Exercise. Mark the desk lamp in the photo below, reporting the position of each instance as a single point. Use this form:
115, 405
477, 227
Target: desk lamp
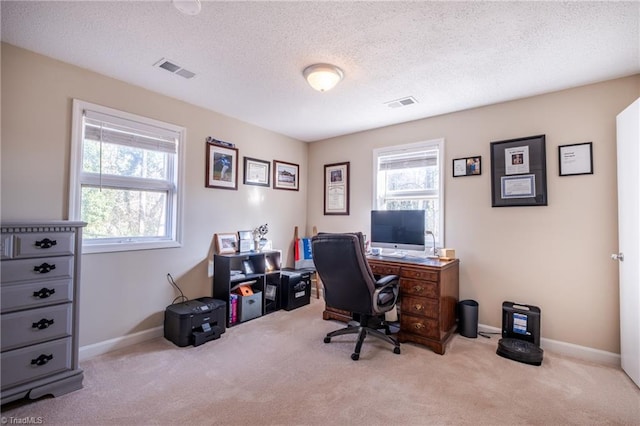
435, 251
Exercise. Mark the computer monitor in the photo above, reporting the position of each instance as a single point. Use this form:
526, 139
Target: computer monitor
398, 229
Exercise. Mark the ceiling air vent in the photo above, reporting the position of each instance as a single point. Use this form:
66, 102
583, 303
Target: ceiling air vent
409, 100
173, 68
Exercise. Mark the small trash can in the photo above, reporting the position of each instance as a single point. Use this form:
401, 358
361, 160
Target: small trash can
468, 318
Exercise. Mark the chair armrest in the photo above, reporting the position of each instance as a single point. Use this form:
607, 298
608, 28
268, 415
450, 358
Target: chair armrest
386, 281
387, 285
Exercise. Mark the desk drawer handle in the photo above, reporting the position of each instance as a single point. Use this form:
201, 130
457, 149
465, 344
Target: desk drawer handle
418, 307
418, 288
44, 292
44, 268
42, 359
42, 324
418, 326
46, 243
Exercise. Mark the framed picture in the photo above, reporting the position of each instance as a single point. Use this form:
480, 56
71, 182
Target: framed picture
285, 175
468, 166
257, 172
222, 167
336, 189
247, 266
519, 172
226, 243
576, 159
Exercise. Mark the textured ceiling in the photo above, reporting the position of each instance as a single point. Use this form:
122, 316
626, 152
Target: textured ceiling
249, 56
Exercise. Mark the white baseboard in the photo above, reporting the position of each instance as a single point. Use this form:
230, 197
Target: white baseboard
86, 352
569, 349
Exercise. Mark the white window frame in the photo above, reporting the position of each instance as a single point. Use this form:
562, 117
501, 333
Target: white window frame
76, 179
413, 147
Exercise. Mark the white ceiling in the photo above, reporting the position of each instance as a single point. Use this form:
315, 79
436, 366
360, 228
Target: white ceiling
249, 56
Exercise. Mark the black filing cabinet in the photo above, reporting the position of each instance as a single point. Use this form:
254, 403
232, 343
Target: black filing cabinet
295, 289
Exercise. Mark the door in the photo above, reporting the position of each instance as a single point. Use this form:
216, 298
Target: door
628, 256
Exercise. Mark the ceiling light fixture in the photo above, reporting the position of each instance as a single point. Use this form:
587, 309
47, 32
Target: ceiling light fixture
188, 7
323, 77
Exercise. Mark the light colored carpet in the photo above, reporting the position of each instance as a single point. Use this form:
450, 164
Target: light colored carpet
276, 370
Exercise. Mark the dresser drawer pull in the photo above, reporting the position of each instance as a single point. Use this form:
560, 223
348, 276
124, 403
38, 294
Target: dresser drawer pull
418, 288
46, 243
418, 326
44, 268
42, 359
42, 324
44, 292
418, 307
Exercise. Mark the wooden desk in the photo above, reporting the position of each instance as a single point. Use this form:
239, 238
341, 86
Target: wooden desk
427, 301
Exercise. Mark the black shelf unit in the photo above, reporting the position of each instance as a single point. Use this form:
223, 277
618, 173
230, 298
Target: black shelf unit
260, 270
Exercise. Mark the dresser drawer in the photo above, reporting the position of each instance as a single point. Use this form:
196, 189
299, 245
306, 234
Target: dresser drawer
35, 326
37, 269
420, 274
35, 362
385, 269
419, 288
43, 244
35, 294
420, 306
421, 326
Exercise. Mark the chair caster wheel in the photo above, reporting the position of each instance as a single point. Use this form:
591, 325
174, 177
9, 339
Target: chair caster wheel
396, 351
327, 339
355, 357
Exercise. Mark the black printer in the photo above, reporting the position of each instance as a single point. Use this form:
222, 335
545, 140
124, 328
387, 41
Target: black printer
195, 322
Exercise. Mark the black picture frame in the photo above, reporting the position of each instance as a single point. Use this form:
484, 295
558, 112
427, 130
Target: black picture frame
257, 172
467, 166
575, 159
519, 172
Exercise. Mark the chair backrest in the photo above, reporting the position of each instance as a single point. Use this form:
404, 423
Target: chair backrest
341, 263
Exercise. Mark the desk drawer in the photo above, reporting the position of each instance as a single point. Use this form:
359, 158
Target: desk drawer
420, 274
35, 362
35, 294
419, 288
37, 269
35, 326
421, 326
420, 306
385, 269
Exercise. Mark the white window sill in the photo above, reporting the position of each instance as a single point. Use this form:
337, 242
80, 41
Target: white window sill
91, 248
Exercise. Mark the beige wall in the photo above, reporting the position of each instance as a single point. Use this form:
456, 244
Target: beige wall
127, 292
555, 257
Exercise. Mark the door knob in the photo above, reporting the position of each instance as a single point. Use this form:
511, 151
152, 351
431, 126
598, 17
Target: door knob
619, 256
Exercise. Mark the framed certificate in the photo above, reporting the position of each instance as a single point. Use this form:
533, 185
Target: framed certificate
519, 172
336, 189
576, 159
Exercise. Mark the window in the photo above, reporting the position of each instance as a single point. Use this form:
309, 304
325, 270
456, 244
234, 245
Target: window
124, 179
411, 177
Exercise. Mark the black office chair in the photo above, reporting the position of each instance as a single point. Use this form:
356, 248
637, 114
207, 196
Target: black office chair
349, 285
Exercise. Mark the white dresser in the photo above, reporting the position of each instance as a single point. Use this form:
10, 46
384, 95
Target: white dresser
40, 282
